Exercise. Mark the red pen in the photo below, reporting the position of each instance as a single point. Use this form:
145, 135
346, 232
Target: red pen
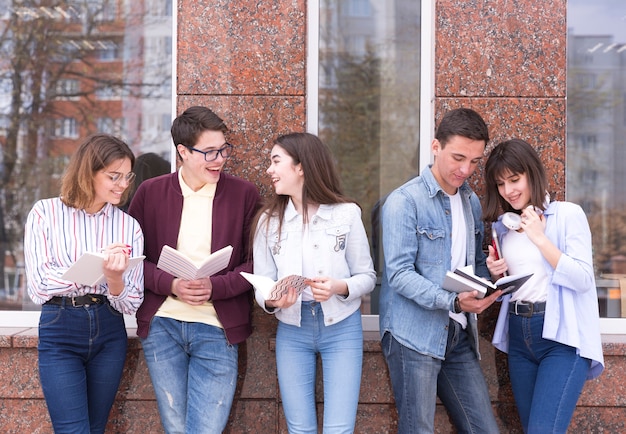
496, 246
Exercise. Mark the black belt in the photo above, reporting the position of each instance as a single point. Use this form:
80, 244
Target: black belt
527, 309
81, 300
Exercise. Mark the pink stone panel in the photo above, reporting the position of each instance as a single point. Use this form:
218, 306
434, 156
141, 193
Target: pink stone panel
541, 122
257, 416
502, 48
257, 359
245, 48
19, 374
254, 124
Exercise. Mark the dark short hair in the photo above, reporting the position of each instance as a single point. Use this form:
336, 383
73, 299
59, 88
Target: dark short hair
518, 157
462, 122
187, 128
94, 154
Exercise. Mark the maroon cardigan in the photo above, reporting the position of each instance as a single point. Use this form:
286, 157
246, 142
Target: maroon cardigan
157, 205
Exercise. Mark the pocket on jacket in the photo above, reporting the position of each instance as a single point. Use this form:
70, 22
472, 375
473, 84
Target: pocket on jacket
431, 243
340, 237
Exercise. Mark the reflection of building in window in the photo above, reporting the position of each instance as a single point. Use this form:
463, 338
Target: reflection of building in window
369, 93
66, 128
110, 126
596, 142
108, 93
68, 89
108, 51
81, 67
596, 152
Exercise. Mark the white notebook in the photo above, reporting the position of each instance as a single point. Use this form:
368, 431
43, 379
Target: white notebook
88, 269
180, 265
271, 290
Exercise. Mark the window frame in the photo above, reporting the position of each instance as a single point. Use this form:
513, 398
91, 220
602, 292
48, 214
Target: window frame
608, 326
30, 318
427, 92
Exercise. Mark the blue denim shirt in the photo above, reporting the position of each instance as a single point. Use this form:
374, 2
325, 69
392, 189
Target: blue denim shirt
417, 244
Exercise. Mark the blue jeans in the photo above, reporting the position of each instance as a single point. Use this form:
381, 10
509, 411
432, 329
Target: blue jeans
418, 379
341, 349
81, 358
547, 377
193, 369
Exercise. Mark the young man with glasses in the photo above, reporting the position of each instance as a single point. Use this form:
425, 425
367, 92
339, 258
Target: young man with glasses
432, 224
190, 329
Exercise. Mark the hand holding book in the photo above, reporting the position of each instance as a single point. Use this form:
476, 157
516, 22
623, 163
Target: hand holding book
271, 290
179, 265
88, 270
464, 279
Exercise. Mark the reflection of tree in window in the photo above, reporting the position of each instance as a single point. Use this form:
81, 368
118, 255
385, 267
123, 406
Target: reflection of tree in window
67, 62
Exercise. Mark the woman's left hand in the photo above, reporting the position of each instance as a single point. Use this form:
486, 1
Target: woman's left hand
325, 287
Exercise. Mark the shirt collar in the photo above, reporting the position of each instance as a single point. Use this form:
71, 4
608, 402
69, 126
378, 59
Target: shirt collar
324, 211
207, 190
433, 187
106, 210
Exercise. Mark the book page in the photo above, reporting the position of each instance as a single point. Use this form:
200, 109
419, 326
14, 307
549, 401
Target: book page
509, 284
181, 266
454, 282
271, 290
88, 269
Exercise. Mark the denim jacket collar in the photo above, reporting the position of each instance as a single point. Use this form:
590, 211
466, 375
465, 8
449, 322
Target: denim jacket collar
433, 187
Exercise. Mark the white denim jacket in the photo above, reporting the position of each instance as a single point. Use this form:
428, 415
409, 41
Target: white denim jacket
337, 232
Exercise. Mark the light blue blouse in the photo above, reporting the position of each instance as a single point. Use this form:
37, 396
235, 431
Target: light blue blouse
571, 316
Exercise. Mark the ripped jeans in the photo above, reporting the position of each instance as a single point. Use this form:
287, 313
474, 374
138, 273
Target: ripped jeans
193, 369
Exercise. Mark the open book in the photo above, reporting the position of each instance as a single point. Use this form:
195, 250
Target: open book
181, 266
271, 290
463, 279
88, 269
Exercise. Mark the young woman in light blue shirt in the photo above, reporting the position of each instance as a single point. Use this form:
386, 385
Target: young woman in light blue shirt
550, 325
309, 228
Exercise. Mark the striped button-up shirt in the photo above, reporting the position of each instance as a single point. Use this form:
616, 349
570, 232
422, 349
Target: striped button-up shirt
56, 235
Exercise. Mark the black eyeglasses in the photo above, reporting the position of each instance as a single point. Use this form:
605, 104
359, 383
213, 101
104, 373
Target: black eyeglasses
211, 155
117, 177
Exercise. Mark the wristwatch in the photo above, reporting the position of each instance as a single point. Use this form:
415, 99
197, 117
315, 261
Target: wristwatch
457, 305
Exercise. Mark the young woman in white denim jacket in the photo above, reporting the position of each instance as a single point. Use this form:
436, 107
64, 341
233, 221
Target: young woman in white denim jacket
309, 228
550, 326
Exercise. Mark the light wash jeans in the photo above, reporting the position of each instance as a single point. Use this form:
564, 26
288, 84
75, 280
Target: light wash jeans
193, 369
81, 357
417, 380
547, 377
341, 349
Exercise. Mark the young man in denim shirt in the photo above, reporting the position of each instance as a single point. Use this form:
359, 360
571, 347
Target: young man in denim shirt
432, 224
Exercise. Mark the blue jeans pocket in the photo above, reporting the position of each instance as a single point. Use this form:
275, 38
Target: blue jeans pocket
49, 315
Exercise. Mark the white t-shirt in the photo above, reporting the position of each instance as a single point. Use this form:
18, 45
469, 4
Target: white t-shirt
522, 256
459, 244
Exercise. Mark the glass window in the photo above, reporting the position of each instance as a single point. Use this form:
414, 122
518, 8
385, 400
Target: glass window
596, 141
367, 108
69, 88
110, 126
107, 50
65, 128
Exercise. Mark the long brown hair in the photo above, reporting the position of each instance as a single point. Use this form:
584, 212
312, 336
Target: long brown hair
94, 154
518, 157
322, 184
